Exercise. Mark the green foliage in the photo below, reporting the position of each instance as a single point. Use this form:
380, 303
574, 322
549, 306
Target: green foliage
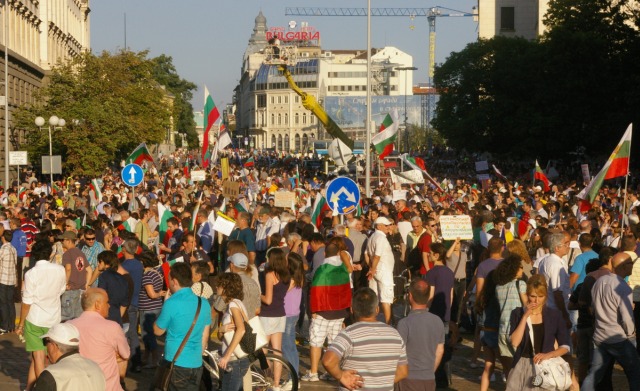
110, 102
544, 98
165, 73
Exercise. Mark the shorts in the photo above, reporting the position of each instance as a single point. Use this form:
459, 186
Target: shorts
321, 328
273, 325
416, 385
504, 343
32, 336
490, 339
384, 291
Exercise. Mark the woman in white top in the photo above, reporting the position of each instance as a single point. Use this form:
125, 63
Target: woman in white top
229, 287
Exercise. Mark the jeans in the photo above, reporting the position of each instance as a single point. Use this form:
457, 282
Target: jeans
7, 308
132, 337
604, 353
636, 318
289, 349
232, 377
185, 379
147, 318
71, 306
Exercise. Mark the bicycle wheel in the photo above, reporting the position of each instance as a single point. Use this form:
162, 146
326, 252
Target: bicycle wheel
262, 371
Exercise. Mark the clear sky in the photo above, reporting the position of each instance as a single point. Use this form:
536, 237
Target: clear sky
207, 38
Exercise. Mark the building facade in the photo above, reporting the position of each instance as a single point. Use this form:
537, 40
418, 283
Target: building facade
269, 114
511, 18
36, 35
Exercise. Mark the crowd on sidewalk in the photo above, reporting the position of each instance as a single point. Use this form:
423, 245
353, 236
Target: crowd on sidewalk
103, 270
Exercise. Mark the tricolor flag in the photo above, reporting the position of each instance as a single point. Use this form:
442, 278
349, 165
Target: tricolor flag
139, 155
164, 214
211, 115
194, 214
330, 288
96, 189
383, 141
538, 174
616, 166
418, 164
249, 162
224, 139
319, 207
499, 174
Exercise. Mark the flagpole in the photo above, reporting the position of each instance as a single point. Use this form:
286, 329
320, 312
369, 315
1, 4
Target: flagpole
626, 181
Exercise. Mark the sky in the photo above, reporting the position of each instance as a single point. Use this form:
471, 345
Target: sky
207, 38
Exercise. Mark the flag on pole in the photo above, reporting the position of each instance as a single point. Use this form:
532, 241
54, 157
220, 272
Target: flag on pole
319, 207
538, 174
211, 115
194, 214
164, 214
249, 162
224, 139
96, 190
383, 141
418, 164
616, 166
139, 155
499, 174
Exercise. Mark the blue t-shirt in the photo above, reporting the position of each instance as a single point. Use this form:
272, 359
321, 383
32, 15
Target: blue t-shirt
135, 269
176, 317
580, 264
245, 235
19, 242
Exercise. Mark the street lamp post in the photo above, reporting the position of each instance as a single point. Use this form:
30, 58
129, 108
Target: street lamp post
406, 118
54, 122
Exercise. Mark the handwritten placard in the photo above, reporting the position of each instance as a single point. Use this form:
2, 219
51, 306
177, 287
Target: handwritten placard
453, 227
284, 199
230, 189
224, 224
399, 195
198, 175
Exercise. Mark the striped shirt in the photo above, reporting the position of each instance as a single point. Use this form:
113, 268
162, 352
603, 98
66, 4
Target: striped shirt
374, 349
145, 303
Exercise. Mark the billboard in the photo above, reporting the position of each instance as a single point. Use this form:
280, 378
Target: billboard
349, 112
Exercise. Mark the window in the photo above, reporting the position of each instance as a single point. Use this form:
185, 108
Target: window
313, 119
297, 142
273, 141
279, 119
297, 99
279, 99
280, 141
286, 119
273, 119
507, 19
286, 142
304, 118
297, 118
273, 99
262, 101
286, 99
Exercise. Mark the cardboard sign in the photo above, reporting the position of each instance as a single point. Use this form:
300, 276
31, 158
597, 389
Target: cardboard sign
284, 199
453, 227
399, 195
198, 175
230, 189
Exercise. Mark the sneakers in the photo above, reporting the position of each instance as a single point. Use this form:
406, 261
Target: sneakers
326, 377
310, 377
287, 386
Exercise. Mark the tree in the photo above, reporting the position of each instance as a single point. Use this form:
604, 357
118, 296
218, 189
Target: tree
110, 102
165, 73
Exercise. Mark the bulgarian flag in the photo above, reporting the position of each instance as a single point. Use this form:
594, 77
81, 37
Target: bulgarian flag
319, 207
249, 162
211, 115
330, 288
383, 141
616, 166
129, 224
538, 174
96, 189
418, 164
195, 213
139, 155
164, 214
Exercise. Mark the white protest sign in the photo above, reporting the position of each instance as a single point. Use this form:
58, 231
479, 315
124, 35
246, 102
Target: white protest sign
224, 224
453, 227
199, 175
399, 195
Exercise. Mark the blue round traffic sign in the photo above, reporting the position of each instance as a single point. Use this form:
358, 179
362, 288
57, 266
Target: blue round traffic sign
132, 175
343, 195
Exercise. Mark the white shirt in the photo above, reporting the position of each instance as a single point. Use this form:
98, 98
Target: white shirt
553, 270
379, 245
43, 285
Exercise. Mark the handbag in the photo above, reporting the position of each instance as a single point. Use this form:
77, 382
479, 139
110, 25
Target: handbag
550, 374
254, 337
163, 375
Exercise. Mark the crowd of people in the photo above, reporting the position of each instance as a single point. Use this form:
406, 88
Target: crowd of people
103, 270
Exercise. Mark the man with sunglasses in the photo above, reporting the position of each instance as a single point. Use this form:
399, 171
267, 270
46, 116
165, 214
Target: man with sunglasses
91, 248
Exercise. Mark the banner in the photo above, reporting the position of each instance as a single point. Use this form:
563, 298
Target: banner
199, 175
284, 199
407, 177
224, 167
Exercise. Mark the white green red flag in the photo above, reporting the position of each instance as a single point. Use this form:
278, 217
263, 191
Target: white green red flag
417, 163
164, 214
249, 162
330, 288
194, 214
140, 155
383, 141
211, 115
539, 175
96, 190
616, 166
319, 207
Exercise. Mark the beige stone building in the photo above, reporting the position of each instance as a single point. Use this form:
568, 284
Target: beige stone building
35, 35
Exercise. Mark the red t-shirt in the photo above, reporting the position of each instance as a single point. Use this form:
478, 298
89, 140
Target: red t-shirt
424, 245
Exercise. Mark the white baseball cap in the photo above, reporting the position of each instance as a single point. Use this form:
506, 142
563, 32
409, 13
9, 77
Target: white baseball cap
64, 333
383, 220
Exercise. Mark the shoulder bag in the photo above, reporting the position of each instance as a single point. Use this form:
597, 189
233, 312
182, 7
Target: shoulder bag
550, 374
254, 337
163, 375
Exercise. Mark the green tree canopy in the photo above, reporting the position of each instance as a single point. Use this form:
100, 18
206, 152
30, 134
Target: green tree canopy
570, 88
111, 103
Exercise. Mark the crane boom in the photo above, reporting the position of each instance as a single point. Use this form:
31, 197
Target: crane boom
320, 11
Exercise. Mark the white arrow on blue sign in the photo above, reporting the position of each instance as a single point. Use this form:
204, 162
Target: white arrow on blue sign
343, 195
132, 175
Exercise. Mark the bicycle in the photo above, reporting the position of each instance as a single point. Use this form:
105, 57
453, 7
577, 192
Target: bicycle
401, 306
261, 371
